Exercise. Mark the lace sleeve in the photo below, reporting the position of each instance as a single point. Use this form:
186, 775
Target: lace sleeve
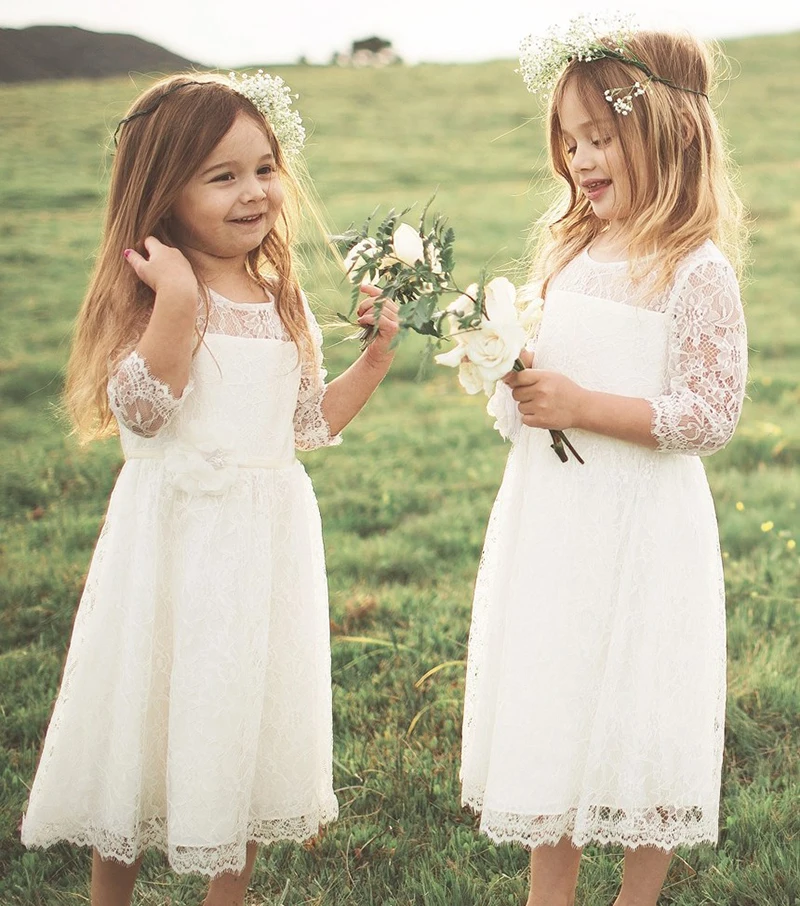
139, 400
707, 363
311, 430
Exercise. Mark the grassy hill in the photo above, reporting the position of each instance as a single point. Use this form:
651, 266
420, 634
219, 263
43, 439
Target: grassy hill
67, 52
405, 499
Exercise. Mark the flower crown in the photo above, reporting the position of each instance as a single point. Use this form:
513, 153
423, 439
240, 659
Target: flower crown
587, 38
270, 95
273, 99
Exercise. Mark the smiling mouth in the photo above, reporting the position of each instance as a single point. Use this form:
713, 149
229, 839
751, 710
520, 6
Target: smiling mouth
595, 184
253, 218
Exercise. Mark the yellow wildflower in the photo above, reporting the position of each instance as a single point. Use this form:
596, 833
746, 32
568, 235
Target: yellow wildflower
791, 544
739, 505
767, 526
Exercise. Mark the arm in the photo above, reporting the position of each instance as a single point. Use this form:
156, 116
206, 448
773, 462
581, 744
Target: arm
167, 342
324, 410
707, 370
147, 387
347, 394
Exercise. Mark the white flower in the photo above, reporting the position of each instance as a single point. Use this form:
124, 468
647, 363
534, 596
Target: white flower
494, 347
543, 58
200, 466
407, 245
500, 303
453, 357
461, 308
273, 99
361, 253
434, 259
530, 316
471, 379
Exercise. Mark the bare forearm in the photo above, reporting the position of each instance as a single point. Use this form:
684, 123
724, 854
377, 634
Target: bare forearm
624, 417
346, 396
167, 343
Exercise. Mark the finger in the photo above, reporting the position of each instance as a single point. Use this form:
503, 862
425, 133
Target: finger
152, 244
370, 290
526, 357
135, 260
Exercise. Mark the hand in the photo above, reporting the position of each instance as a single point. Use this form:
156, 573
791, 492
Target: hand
547, 399
165, 268
388, 322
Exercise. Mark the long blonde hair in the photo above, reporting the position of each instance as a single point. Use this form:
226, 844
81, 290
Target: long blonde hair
681, 178
158, 154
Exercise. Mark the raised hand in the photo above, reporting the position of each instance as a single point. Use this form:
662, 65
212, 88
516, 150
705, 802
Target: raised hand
164, 269
388, 322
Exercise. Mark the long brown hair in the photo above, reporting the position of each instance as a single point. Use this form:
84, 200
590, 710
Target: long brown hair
158, 154
681, 178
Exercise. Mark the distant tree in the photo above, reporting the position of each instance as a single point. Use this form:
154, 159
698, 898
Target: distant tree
373, 45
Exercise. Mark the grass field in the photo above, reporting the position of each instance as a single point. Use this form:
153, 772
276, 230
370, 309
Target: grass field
405, 499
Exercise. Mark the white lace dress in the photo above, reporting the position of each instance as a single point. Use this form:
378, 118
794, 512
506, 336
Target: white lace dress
595, 690
195, 708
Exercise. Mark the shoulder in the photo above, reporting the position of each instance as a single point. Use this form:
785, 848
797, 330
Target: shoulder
705, 264
706, 281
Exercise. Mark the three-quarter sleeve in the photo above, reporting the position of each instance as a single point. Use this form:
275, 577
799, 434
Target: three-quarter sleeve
707, 363
140, 401
311, 429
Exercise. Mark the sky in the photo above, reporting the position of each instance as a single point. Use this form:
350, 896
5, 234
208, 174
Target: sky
223, 34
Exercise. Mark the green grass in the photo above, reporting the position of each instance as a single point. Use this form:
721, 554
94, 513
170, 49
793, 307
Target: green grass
405, 499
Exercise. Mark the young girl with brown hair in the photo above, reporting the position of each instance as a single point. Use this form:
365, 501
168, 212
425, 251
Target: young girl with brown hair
194, 714
595, 696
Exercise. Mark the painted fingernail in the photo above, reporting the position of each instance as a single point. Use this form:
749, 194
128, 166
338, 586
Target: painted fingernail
127, 253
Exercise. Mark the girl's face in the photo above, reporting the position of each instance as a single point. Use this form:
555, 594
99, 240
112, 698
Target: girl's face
233, 200
598, 168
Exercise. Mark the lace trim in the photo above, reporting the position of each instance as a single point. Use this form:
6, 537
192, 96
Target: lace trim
142, 402
209, 861
664, 827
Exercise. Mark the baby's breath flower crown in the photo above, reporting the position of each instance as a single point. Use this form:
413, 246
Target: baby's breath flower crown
586, 38
270, 95
273, 98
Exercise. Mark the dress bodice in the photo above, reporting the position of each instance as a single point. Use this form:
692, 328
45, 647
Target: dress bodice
248, 390
684, 350
242, 399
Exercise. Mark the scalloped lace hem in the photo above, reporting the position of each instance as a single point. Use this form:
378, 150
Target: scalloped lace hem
662, 827
210, 861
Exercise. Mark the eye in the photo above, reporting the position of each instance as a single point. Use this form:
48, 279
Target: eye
601, 142
570, 149
222, 177
267, 169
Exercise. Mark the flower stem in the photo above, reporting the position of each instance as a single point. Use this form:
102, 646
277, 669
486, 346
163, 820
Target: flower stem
558, 437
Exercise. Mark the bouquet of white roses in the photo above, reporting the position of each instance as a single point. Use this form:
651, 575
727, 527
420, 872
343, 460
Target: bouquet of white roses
490, 325
487, 323
412, 265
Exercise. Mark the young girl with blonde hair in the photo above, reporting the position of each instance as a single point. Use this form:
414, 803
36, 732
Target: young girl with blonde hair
194, 714
595, 694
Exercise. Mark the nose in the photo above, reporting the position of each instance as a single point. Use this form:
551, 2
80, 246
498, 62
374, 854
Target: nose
582, 158
253, 189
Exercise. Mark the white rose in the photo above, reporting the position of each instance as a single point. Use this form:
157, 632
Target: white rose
407, 245
531, 315
359, 255
494, 347
461, 308
471, 379
453, 357
501, 298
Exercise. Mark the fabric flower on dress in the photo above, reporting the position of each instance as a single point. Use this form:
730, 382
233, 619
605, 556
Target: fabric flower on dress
198, 464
